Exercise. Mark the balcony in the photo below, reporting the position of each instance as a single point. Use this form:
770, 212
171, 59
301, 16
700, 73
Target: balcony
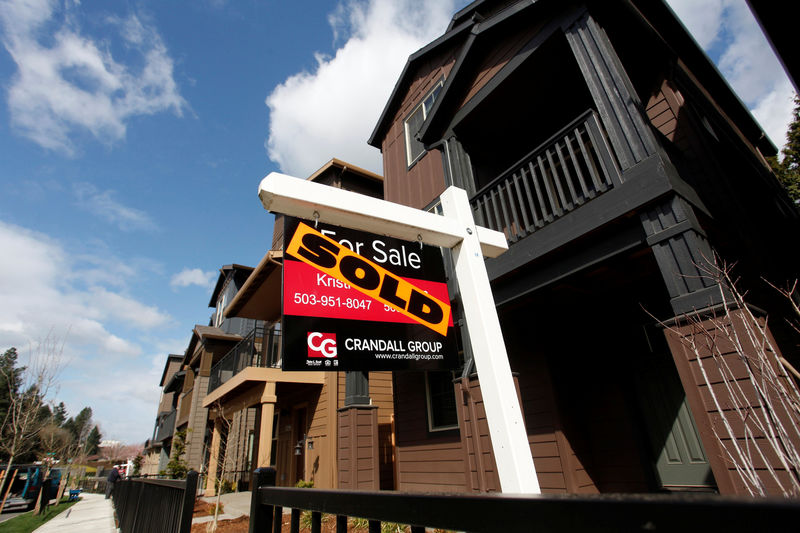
568, 170
257, 349
166, 426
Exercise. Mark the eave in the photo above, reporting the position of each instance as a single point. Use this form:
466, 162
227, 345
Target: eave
260, 295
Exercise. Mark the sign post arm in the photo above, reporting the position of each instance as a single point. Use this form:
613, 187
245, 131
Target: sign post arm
280, 193
503, 412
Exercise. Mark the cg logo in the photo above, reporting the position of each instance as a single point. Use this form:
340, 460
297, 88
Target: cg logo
322, 345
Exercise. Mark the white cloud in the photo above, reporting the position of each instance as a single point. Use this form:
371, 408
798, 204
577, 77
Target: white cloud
67, 83
331, 111
745, 59
48, 290
193, 276
703, 19
103, 205
45, 289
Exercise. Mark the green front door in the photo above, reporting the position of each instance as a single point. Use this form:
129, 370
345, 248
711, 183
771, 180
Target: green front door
680, 460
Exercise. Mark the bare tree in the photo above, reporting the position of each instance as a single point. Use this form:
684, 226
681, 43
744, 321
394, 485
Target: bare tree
23, 422
755, 400
227, 424
54, 441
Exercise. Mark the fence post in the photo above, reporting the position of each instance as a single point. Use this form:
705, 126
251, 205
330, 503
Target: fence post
189, 495
261, 515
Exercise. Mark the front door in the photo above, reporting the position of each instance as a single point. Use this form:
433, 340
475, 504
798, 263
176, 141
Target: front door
680, 460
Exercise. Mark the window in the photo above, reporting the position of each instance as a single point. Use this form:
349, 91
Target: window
442, 414
414, 148
222, 302
273, 449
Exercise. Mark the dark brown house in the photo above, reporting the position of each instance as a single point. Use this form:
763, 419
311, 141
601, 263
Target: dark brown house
623, 170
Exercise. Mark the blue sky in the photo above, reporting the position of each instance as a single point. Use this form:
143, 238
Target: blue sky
133, 136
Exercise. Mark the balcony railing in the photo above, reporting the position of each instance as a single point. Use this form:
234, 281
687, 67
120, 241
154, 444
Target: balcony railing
259, 348
571, 168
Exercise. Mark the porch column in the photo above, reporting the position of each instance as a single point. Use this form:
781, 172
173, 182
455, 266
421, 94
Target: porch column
358, 449
213, 459
356, 388
268, 399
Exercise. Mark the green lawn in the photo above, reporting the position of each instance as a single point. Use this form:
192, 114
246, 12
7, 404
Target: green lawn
25, 523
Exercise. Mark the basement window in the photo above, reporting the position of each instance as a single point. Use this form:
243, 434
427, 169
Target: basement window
414, 148
441, 398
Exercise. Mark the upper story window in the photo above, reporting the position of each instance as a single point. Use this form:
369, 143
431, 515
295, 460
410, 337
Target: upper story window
222, 302
414, 148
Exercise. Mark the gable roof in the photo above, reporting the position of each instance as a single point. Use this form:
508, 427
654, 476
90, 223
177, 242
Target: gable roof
171, 358
654, 13
223, 275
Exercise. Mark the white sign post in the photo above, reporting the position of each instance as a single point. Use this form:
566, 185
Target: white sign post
456, 230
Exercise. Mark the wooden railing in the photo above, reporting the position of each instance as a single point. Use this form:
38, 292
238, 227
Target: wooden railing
554, 513
569, 169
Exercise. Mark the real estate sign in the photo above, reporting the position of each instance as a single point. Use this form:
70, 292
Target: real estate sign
357, 301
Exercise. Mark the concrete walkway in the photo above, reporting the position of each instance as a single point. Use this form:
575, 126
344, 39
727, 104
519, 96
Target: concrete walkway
92, 514
234, 505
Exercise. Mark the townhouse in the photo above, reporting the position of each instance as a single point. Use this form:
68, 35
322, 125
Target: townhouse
624, 173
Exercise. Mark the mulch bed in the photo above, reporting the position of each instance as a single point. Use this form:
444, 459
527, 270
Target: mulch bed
204, 508
242, 524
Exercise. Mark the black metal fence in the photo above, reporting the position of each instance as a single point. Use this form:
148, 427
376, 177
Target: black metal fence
511, 513
155, 505
259, 348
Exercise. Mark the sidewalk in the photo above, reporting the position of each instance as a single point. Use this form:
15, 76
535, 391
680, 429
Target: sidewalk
92, 514
234, 505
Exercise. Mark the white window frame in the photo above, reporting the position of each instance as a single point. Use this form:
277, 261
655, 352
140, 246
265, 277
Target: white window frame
423, 107
429, 404
221, 302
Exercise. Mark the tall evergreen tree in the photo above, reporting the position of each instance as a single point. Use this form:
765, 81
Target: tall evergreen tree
9, 380
788, 170
59, 414
93, 441
79, 427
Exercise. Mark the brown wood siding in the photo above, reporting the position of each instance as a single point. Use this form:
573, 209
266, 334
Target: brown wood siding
380, 392
506, 48
426, 461
481, 468
424, 181
341, 389
716, 438
661, 115
558, 467
184, 408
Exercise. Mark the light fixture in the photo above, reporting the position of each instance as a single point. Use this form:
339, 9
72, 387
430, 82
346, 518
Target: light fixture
298, 448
